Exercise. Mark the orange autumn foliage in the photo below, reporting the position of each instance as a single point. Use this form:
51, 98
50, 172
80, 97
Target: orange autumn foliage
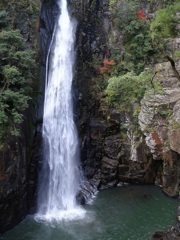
105, 68
141, 15
108, 62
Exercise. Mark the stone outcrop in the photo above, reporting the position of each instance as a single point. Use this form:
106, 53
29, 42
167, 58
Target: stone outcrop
159, 122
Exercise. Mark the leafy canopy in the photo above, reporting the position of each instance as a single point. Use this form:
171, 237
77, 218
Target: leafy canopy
126, 90
165, 23
132, 21
17, 68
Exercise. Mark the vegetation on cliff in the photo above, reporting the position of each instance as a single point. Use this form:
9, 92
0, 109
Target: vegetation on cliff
18, 22
126, 90
142, 43
165, 24
138, 48
17, 73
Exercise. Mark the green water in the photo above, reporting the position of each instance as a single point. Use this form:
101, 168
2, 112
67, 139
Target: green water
124, 213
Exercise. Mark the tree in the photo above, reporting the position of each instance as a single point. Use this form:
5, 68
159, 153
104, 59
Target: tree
17, 68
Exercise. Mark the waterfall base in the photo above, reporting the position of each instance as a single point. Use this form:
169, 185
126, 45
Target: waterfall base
85, 196
62, 215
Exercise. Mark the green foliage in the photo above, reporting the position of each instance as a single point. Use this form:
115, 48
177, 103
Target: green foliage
177, 54
11, 38
138, 43
126, 90
175, 125
22, 14
164, 113
136, 49
162, 3
126, 18
165, 23
112, 3
25, 7
140, 50
17, 67
3, 19
142, 39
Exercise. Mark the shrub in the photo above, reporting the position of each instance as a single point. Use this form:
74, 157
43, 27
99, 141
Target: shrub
165, 23
126, 90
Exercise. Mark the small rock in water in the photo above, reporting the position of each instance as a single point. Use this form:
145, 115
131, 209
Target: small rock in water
158, 236
122, 184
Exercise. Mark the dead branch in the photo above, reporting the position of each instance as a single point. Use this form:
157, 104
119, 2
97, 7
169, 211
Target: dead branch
176, 73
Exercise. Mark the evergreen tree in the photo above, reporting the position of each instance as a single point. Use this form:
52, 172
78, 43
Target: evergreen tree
17, 67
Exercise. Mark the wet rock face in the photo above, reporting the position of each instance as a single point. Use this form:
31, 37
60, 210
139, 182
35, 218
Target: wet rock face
159, 120
16, 187
12, 212
48, 16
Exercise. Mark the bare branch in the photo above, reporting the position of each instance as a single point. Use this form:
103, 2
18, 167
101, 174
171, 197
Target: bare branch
176, 73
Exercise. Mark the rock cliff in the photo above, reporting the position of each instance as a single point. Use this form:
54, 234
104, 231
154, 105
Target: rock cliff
110, 154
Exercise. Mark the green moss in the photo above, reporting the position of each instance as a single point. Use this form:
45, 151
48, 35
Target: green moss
164, 113
175, 125
177, 54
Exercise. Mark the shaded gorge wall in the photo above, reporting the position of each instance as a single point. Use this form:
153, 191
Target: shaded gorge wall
17, 171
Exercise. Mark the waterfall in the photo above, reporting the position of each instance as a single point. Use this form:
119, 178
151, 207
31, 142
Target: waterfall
60, 177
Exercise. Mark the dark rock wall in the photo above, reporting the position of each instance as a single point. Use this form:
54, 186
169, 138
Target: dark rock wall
92, 38
16, 173
109, 154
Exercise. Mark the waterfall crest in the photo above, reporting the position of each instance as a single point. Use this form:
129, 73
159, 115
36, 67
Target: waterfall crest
61, 176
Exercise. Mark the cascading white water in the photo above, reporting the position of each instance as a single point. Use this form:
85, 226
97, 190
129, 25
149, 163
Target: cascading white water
59, 188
